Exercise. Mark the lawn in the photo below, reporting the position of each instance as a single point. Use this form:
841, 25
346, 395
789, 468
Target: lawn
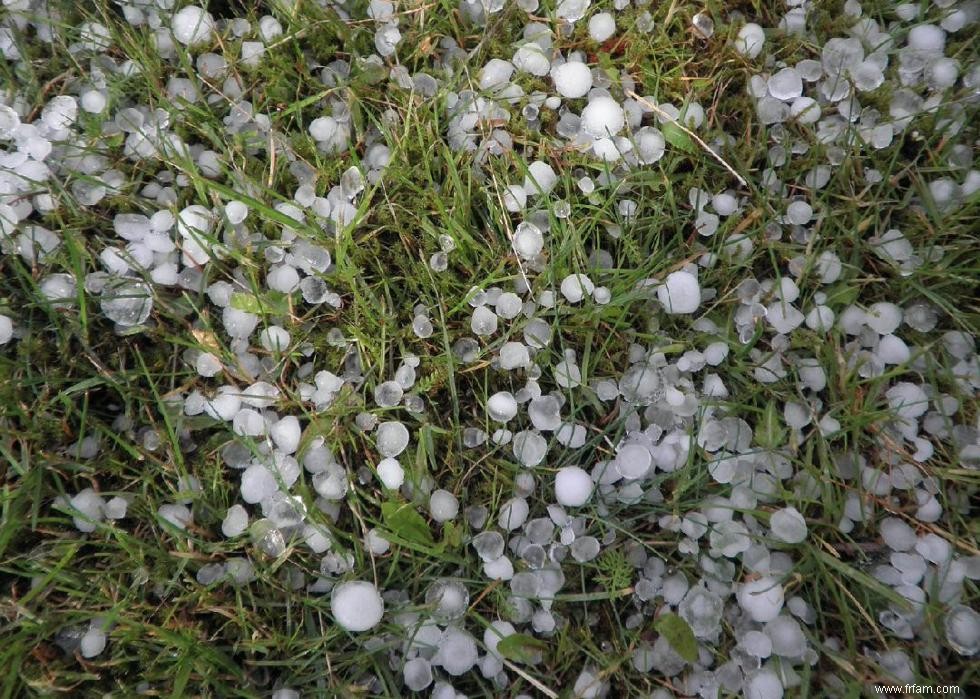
577, 349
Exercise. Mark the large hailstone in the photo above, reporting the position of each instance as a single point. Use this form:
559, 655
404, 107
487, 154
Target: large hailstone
192, 26
603, 117
750, 40
356, 605
573, 486
680, 293
572, 79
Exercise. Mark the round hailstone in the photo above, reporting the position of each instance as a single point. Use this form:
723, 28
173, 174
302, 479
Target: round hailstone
963, 630
391, 473
192, 26
786, 84
274, 338
502, 406
529, 448
761, 599
127, 303
457, 652
788, 525
750, 40
513, 514
573, 486
443, 505
603, 117
907, 400
356, 605
572, 79
601, 26
6, 329
575, 287
764, 685
528, 240
680, 293
392, 438
633, 461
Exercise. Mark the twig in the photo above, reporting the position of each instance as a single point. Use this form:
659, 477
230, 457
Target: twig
690, 133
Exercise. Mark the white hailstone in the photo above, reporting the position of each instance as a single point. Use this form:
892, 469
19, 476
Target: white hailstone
207, 364
650, 145
633, 461
764, 684
896, 534
540, 178
785, 84
391, 473
603, 117
573, 486
575, 287
258, 483
496, 73
6, 329
724, 203
391, 438
93, 101
805, 110
177, 515
457, 652
514, 355
680, 293
238, 324
601, 26
573, 79
484, 321
799, 213
283, 278
761, 599
515, 198
588, 686
127, 302
787, 525
235, 521
927, 38
783, 317
750, 40
908, 400
236, 212
417, 674
820, 318
192, 25
531, 58
513, 514
251, 53
274, 339
883, 318
443, 505
502, 406
269, 28
962, 626
528, 240
92, 643
572, 10
286, 434
60, 112
529, 448
509, 305
356, 605
893, 350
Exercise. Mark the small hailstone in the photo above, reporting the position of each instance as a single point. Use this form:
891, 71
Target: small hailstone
417, 674
235, 521
391, 438
286, 433
603, 117
513, 514
761, 599
391, 473
457, 652
177, 515
540, 178
274, 339
575, 287
443, 505
962, 626
528, 240
908, 400
356, 605
6, 329
573, 486
680, 293
896, 534
572, 79
786, 84
483, 322
529, 448
93, 643
502, 406
192, 25
601, 26
764, 684
788, 525
750, 40
207, 364
515, 198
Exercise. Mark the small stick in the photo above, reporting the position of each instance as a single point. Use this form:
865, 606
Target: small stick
690, 133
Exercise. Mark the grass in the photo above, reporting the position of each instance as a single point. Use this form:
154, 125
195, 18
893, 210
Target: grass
69, 377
